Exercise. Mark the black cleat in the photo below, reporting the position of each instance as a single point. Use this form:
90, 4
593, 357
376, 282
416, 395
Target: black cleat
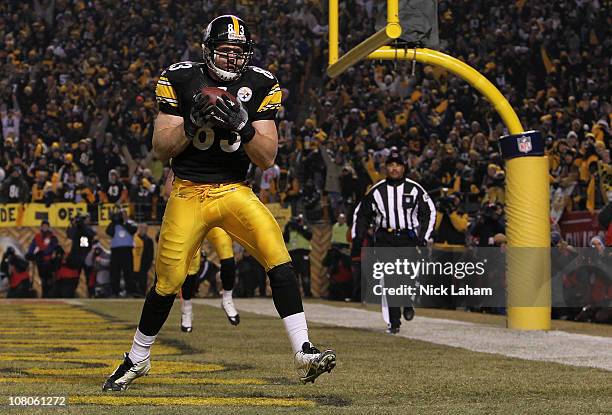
186, 329
310, 363
126, 373
392, 330
230, 311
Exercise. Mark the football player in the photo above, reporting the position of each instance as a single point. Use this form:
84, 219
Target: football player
222, 244
211, 145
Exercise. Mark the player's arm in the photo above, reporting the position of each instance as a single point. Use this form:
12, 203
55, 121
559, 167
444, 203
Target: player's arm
169, 137
173, 131
264, 145
257, 130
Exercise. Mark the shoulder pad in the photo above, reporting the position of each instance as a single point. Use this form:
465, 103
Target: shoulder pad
180, 71
262, 75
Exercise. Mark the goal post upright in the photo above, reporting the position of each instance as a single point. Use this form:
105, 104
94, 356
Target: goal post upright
527, 188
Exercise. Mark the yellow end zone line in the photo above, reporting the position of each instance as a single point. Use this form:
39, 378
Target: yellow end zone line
34, 319
25, 325
74, 329
77, 350
160, 367
188, 400
145, 380
63, 336
67, 342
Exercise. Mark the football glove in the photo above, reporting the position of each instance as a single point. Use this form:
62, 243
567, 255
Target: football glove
201, 111
233, 116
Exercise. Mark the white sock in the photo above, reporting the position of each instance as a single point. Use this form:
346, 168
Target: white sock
186, 313
227, 295
141, 347
297, 330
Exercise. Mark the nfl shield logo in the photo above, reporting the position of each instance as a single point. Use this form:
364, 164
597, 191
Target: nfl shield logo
524, 144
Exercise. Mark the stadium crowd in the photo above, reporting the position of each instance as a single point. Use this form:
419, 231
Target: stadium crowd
77, 104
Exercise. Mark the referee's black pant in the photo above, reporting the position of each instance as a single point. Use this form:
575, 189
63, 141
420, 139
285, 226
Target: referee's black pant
384, 239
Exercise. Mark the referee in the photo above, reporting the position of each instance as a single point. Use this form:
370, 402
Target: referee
402, 214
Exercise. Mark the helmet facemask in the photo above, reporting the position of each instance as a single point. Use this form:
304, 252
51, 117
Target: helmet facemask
235, 61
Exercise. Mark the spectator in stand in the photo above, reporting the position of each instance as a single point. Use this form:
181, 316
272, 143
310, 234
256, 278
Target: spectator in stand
14, 187
41, 252
332, 187
269, 184
70, 168
68, 189
114, 191
142, 194
11, 120
90, 194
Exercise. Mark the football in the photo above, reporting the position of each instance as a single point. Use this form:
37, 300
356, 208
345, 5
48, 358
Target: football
212, 93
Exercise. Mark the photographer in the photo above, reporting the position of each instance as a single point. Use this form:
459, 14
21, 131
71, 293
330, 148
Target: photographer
41, 251
338, 262
99, 260
450, 235
121, 230
297, 235
451, 223
605, 221
16, 268
311, 199
82, 236
251, 276
488, 225
66, 276
594, 275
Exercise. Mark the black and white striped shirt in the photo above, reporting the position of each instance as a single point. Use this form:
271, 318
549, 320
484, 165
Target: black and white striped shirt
395, 205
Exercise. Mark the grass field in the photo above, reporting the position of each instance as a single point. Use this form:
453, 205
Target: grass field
58, 349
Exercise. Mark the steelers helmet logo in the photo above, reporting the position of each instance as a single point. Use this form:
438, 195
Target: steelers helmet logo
245, 94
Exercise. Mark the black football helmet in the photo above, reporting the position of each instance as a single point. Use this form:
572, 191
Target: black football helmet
227, 29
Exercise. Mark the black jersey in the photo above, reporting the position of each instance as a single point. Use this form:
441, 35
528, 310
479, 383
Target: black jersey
215, 155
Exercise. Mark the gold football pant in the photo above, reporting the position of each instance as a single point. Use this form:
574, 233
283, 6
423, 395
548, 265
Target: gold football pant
222, 244
194, 209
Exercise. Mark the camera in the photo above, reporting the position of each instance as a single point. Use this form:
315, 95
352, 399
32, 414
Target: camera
490, 212
79, 219
117, 217
446, 204
9, 253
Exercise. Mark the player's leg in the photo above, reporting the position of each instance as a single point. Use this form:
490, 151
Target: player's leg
252, 225
222, 243
180, 237
187, 292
